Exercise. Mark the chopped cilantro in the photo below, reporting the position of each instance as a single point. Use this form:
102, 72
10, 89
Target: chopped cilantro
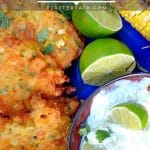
48, 49
102, 135
84, 130
42, 35
66, 13
3, 92
4, 20
88, 128
52, 137
64, 48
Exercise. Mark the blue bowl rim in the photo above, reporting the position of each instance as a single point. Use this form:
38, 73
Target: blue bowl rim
93, 94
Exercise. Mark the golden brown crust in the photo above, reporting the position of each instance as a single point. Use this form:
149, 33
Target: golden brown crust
24, 72
66, 42
45, 127
34, 114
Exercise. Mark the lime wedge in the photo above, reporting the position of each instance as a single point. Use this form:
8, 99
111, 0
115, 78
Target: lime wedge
130, 115
104, 60
97, 23
86, 146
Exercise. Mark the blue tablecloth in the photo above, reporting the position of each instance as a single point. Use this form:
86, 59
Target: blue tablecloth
133, 39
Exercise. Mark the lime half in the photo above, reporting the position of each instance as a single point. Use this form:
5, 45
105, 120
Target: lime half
104, 60
86, 146
130, 115
97, 23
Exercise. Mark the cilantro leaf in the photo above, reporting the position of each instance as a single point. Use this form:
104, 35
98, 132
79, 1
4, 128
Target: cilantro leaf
3, 92
43, 35
48, 49
102, 135
66, 13
84, 130
4, 20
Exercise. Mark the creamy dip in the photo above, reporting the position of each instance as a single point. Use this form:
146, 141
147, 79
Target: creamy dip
120, 138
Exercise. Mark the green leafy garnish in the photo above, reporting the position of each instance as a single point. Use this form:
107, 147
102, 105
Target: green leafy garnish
43, 35
3, 92
102, 135
64, 48
4, 20
48, 49
84, 130
52, 137
66, 13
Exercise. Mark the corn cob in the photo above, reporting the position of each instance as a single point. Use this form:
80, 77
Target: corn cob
138, 15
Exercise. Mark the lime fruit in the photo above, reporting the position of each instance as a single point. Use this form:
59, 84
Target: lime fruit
97, 23
86, 146
130, 115
104, 60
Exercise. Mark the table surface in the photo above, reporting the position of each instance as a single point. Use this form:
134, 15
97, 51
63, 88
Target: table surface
133, 40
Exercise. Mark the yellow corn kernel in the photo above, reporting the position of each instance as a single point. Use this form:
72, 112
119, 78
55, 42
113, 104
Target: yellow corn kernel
137, 15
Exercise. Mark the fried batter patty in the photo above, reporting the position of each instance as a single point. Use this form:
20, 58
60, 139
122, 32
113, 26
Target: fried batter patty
53, 32
46, 127
35, 49
24, 72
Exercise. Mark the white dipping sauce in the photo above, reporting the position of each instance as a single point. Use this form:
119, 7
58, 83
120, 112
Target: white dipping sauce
121, 138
